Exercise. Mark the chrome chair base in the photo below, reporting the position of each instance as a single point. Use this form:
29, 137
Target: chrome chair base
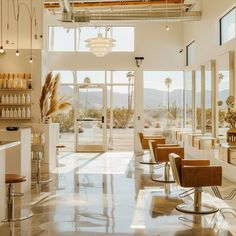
162, 180
147, 163
202, 209
42, 181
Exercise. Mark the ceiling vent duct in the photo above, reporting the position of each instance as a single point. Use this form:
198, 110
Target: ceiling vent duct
66, 11
82, 16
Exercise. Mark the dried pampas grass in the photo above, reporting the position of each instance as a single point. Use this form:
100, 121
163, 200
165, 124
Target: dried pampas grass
49, 101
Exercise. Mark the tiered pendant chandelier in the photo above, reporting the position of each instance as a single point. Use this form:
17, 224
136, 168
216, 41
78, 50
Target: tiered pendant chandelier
100, 46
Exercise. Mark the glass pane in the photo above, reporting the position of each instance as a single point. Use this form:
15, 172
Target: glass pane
123, 77
91, 77
90, 116
198, 99
208, 107
61, 39
66, 118
67, 77
227, 24
163, 100
124, 37
120, 113
188, 98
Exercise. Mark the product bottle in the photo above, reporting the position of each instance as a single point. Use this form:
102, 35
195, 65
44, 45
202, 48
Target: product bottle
19, 113
3, 113
15, 113
15, 99
23, 115
3, 99
11, 99
23, 99
11, 113
4, 85
19, 99
29, 82
7, 113
27, 99
28, 113
6, 99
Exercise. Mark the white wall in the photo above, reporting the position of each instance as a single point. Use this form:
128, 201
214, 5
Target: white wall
206, 32
24, 25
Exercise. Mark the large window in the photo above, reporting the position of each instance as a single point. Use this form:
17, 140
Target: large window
73, 39
61, 39
163, 99
227, 27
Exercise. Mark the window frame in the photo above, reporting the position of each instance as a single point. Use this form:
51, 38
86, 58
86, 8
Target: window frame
187, 52
220, 25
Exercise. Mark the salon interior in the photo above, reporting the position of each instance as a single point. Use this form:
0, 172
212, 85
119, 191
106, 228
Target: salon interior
117, 117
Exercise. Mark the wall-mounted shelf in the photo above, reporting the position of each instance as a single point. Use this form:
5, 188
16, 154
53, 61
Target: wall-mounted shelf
16, 90
11, 104
15, 118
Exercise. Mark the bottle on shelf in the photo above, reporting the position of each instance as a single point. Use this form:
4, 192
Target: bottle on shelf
4, 85
27, 99
11, 99
7, 113
23, 99
10, 81
3, 99
15, 113
19, 99
29, 81
15, 99
6, 100
3, 113
19, 113
14, 82
11, 113
23, 113
28, 113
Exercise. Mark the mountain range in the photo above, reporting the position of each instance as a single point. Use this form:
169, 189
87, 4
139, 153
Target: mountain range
153, 98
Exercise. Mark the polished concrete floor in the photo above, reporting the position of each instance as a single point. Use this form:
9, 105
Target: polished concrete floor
112, 194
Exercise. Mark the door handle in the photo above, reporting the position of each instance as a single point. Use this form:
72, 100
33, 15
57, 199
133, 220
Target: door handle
103, 120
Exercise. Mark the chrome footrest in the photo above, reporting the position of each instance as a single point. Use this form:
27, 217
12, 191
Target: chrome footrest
202, 209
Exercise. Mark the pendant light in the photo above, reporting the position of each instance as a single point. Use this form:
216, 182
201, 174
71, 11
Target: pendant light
167, 26
100, 45
1, 47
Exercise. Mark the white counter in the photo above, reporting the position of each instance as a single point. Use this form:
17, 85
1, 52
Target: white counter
18, 158
3, 147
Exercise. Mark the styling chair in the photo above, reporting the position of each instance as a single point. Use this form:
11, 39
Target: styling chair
195, 174
144, 140
161, 154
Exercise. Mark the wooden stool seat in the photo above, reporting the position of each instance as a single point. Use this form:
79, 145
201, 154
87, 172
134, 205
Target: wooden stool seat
13, 179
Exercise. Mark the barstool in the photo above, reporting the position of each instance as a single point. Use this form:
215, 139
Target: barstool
11, 179
58, 147
38, 156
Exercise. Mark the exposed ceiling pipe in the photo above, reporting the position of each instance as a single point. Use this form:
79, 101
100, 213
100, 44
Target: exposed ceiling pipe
66, 10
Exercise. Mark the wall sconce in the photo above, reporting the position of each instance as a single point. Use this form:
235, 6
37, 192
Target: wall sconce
139, 61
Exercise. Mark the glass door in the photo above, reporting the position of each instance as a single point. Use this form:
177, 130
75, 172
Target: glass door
91, 118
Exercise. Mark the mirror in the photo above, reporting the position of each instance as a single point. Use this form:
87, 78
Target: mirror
209, 73
225, 77
198, 88
188, 100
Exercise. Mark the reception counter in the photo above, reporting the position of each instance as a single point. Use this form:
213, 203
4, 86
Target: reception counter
3, 147
18, 159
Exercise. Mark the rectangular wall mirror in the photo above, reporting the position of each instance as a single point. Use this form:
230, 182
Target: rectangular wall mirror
198, 99
188, 99
209, 96
225, 78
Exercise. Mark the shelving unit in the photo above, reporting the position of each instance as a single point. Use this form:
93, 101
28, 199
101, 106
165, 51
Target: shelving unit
14, 106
